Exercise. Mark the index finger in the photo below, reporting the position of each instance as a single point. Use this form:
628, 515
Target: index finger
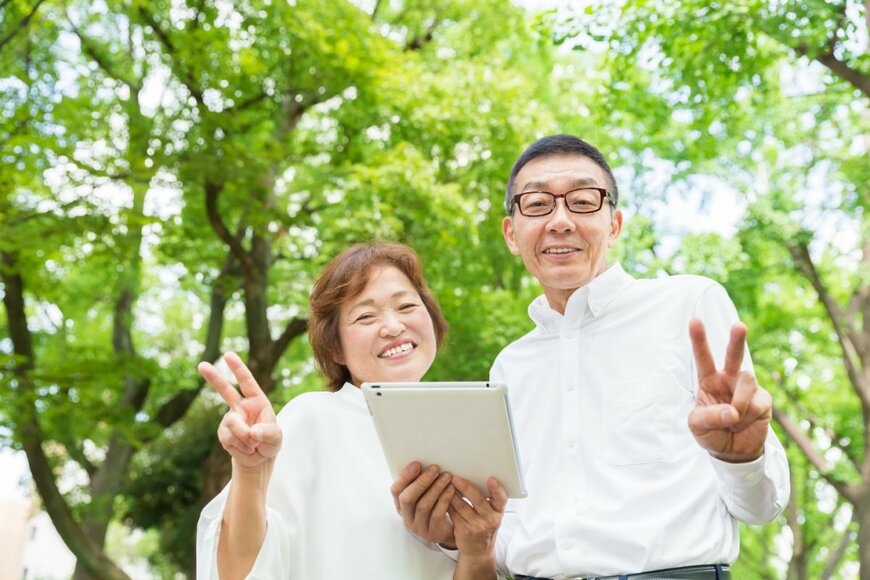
243, 374
408, 475
220, 384
469, 491
701, 349
736, 348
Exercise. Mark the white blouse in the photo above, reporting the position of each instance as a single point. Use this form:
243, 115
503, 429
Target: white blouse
329, 510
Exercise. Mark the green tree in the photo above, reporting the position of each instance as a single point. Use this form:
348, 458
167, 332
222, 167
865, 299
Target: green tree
178, 173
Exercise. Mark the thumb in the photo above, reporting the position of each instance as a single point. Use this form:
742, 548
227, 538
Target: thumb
498, 495
712, 418
266, 434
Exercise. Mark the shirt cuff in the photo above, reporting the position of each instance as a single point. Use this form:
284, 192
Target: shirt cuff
740, 475
452, 554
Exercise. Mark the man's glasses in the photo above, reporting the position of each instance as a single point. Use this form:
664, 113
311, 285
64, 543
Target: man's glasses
541, 203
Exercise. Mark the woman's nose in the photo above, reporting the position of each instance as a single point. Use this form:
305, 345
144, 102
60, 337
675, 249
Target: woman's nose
392, 326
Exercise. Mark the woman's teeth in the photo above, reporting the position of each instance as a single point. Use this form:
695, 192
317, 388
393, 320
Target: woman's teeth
405, 347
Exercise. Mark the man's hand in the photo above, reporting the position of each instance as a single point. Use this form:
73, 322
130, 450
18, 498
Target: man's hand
422, 498
732, 413
249, 430
477, 520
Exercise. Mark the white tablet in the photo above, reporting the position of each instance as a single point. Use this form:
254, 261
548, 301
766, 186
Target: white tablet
464, 428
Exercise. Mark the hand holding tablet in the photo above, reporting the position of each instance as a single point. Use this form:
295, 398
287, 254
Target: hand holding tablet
463, 427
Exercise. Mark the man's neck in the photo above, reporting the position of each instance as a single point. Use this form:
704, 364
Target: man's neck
558, 298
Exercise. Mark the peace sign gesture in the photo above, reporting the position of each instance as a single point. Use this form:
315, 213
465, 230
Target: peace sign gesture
732, 412
248, 431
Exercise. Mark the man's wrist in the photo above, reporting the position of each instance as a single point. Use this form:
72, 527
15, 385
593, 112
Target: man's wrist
478, 566
737, 458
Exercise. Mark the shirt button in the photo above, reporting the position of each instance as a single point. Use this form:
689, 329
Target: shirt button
567, 545
570, 444
569, 387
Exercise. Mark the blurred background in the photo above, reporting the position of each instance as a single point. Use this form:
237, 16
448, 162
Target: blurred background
174, 173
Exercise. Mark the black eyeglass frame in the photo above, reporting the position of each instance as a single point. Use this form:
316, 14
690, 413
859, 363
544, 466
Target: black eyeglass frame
603, 192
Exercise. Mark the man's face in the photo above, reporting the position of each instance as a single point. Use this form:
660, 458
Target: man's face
563, 250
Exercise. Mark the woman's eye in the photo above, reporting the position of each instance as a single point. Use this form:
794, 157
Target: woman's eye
365, 318
408, 307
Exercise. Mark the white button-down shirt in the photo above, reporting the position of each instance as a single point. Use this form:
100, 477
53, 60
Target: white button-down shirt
600, 400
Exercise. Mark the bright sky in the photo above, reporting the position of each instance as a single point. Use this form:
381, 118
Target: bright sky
13, 466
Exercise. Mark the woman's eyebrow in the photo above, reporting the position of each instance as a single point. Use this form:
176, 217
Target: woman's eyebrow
371, 301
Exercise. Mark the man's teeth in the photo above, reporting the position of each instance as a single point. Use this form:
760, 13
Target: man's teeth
559, 250
404, 347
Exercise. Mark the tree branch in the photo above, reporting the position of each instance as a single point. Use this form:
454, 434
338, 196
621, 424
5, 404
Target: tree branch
422, 40
816, 423
76, 452
814, 457
375, 9
212, 192
90, 48
21, 26
222, 289
95, 172
294, 328
837, 555
186, 75
845, 335
840, 68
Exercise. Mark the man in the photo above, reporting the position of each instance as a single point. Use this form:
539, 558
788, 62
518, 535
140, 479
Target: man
640, 450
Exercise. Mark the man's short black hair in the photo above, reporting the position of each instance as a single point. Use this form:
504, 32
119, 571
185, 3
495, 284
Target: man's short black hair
560, 145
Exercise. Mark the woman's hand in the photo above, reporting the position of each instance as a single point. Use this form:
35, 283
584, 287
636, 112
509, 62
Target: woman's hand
475, 526
249, 430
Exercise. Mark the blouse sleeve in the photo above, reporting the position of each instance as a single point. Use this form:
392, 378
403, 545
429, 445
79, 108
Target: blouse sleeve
272, 561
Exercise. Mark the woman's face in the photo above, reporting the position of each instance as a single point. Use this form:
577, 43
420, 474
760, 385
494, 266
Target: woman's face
386, 332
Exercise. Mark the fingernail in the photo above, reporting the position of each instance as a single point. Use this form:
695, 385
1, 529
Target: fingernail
445, 476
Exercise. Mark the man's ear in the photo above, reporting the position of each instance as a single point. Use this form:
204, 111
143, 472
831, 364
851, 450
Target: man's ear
615, 228
507, 230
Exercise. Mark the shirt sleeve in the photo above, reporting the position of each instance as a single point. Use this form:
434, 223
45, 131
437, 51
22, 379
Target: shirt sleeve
758, 491
509, 524
273, 559
510, 521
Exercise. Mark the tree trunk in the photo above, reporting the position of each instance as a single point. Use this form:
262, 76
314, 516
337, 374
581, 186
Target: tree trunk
862, 516
89, 555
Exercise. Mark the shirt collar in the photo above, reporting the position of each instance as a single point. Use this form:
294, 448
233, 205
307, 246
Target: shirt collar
595, 297
351, 394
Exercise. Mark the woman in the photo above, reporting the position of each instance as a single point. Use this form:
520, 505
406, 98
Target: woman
310, 492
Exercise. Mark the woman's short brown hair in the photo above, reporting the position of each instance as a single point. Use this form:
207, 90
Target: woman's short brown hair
343, 279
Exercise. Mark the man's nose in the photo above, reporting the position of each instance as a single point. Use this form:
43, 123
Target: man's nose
561, 220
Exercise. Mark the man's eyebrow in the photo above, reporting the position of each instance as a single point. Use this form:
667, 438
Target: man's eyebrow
576, 183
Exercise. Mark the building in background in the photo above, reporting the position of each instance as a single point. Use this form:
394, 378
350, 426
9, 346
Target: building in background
30, 547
